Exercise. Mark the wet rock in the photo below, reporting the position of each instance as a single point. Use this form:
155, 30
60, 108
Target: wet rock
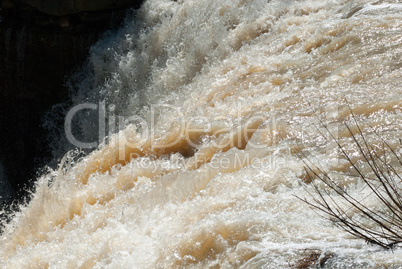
68, 7
38, 52
312, 258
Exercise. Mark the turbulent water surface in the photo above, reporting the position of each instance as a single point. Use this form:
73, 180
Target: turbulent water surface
211, 104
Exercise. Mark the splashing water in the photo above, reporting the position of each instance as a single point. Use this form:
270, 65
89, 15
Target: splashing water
208, 104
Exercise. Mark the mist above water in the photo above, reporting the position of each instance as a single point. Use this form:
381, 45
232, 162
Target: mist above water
199, 110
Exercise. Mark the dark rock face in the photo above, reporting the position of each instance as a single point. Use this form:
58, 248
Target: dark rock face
68, 7
37, 52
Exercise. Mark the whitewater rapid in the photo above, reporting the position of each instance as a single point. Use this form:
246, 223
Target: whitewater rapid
203, 109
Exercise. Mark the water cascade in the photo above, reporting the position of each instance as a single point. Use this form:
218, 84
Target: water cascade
203, 109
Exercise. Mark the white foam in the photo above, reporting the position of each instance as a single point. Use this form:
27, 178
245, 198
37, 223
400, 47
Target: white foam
253, 70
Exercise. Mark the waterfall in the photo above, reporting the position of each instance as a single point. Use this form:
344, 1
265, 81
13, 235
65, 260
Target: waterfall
188, 127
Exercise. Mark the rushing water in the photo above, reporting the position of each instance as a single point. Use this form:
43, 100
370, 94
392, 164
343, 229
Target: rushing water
211, 102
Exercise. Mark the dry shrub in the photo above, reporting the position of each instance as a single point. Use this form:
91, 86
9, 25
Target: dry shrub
381, 227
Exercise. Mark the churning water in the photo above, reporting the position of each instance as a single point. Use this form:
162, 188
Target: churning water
206, 106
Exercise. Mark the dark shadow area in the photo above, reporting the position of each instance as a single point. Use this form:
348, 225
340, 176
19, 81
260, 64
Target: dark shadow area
38, 52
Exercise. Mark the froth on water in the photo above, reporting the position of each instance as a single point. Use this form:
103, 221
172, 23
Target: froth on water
202, 110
